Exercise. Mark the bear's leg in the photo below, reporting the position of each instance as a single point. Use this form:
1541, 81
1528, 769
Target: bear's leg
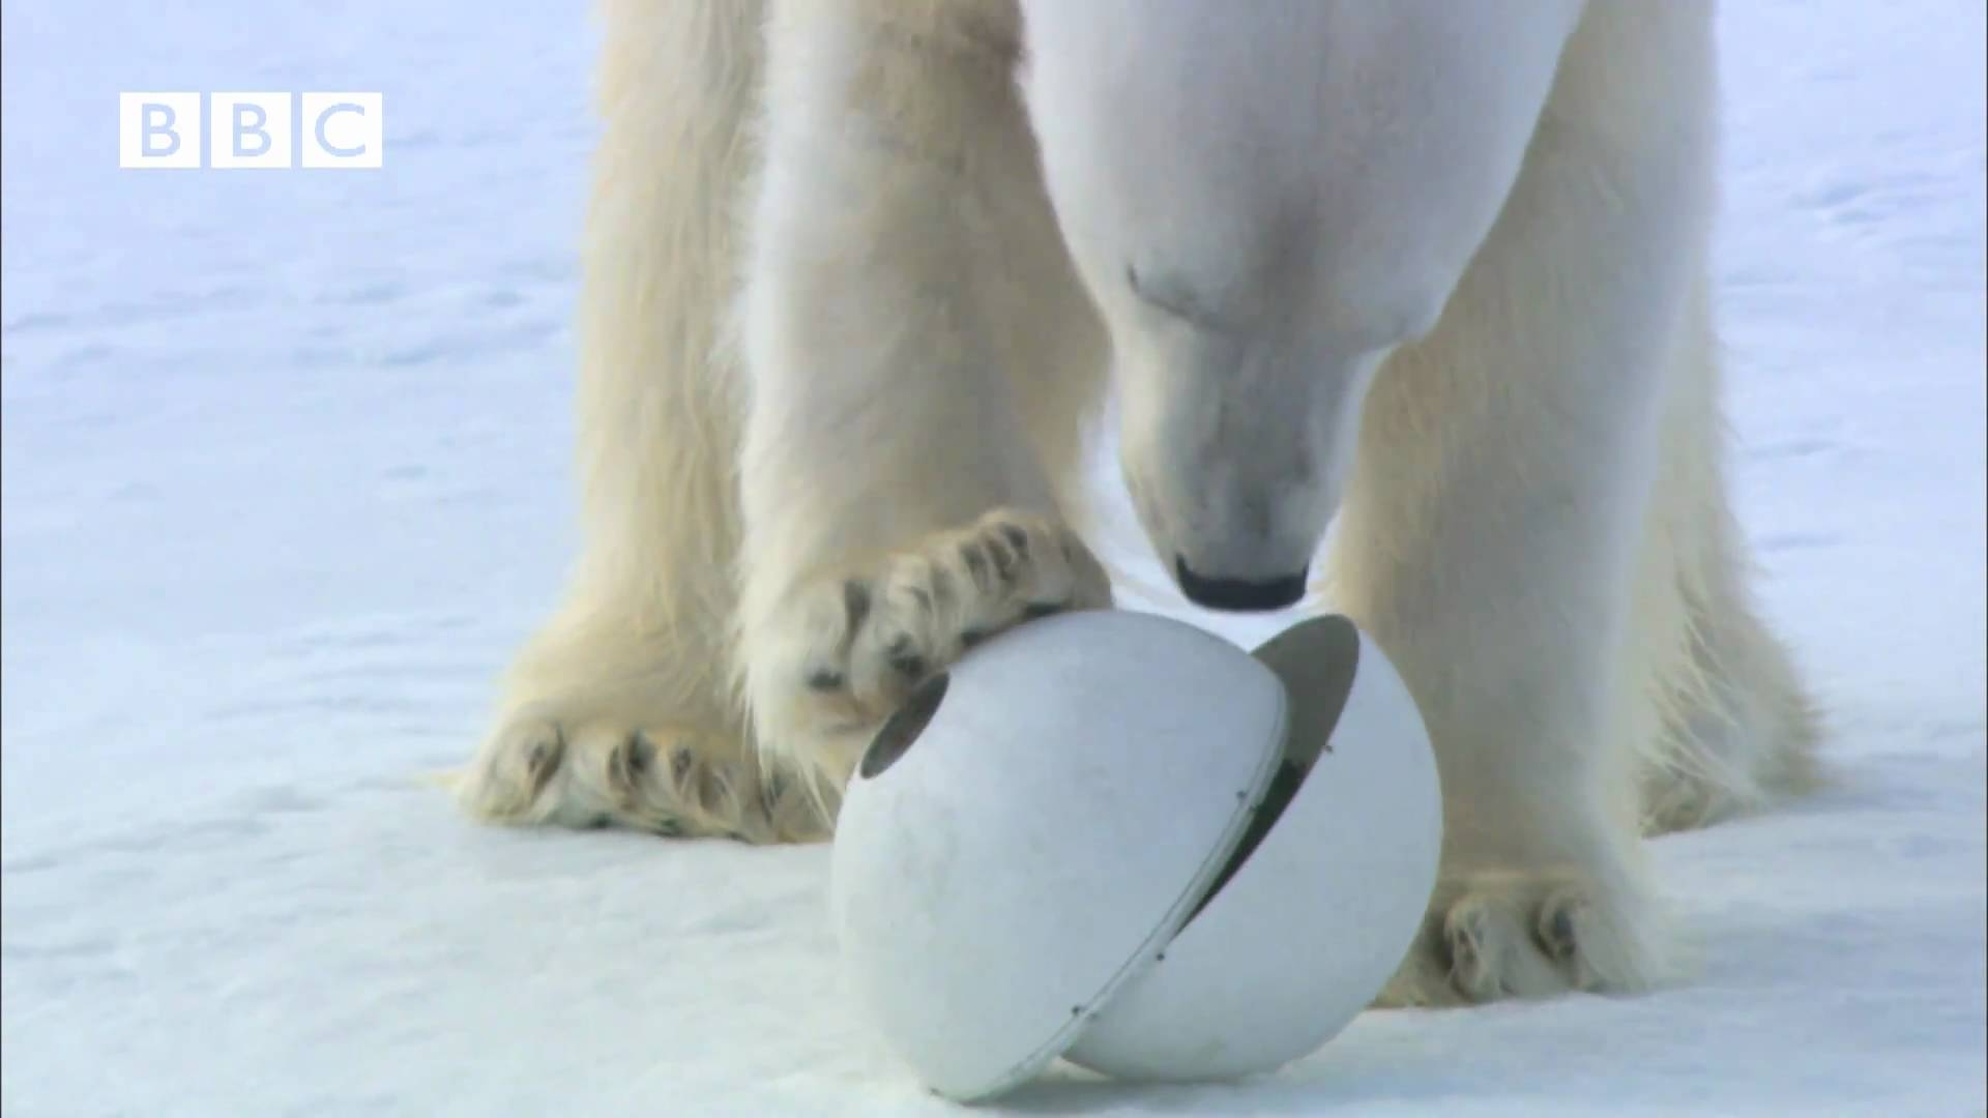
920, 361
620, 710
1489, 539
1736, 727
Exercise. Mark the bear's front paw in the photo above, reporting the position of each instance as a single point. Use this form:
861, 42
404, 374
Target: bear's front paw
867, 640
1494, 936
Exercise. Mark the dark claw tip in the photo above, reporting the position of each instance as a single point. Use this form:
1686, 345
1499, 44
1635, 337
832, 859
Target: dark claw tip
903, 656
856, 601
1561, 929
641, 751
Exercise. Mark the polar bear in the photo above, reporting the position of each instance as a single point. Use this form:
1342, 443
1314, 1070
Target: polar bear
861, 274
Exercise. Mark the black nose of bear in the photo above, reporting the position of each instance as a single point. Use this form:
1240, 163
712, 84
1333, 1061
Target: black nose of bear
1240, 595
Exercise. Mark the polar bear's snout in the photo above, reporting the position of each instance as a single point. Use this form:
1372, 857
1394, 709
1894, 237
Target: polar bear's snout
1235, 469
1240, 595
1233, 543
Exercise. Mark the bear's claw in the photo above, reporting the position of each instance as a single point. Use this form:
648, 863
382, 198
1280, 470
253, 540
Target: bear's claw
537, 770
926, 606
864, 642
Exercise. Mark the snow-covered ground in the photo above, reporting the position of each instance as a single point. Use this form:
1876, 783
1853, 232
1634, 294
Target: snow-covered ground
285, 469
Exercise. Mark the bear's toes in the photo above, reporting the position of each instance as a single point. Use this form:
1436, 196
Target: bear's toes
1491, 937
660, 782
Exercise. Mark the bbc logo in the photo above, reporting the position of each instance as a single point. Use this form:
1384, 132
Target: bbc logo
264, 131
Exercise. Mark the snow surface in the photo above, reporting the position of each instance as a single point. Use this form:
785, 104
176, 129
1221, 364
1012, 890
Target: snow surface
286, 479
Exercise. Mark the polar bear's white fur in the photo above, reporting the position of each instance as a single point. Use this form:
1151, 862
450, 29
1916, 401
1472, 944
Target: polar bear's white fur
858, 276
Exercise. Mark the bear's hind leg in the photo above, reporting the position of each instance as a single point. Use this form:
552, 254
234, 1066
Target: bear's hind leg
621, 710
1737, 728
606, 724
